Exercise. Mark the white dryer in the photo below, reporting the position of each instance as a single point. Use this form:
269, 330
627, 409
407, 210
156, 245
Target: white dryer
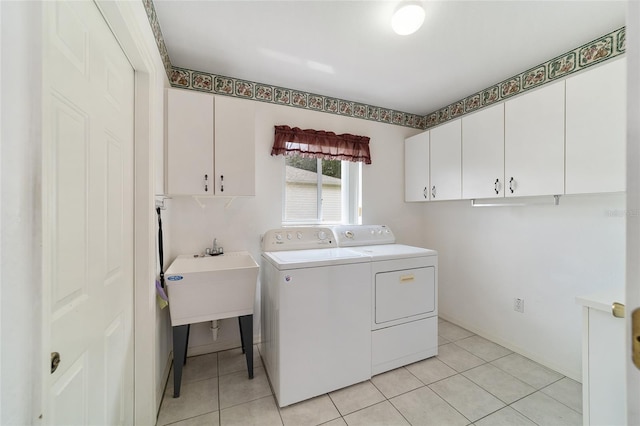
404, 290
316, 310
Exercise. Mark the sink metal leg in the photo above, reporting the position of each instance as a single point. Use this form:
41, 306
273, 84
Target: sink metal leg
186, 345
246, 334
180, 338
241, 334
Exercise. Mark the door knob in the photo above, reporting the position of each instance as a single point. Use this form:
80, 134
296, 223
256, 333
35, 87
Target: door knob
55, 361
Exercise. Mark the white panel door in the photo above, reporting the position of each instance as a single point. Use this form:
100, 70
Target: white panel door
88, 93
632, 287
416, 167
483, 153
596, 129
534, 142
445, 160
234, 147
189, 142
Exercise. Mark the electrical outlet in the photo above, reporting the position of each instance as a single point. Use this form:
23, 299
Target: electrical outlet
518, 305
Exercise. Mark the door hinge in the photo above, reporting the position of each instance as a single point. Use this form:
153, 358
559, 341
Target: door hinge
55, 361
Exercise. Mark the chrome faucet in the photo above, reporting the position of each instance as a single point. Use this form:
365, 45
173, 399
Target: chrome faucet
215, 251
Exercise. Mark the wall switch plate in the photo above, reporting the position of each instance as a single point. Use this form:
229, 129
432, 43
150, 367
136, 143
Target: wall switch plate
518, 305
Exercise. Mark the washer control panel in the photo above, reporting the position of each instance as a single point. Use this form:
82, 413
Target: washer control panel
298, 238
363, 235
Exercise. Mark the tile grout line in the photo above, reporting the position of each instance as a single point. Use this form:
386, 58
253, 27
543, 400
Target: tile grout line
436, 393
389, 399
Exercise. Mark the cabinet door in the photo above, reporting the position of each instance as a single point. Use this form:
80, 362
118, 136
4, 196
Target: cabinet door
534, 142
234, 147
189, 142
596, 130
416, 167
446, 162
483, 153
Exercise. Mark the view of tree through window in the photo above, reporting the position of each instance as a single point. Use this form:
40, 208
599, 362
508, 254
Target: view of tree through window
309, 197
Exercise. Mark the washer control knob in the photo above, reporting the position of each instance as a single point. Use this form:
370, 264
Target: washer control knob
279, 237
289, 236
299, 235
379, 231
348, 234
322, 235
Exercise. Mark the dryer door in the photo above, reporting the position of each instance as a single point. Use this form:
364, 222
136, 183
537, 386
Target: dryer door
405, 293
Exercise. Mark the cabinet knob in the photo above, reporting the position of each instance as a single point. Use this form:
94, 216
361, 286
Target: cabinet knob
221, 183
496, 186
424, 192
511, 181
206, 183
433, 192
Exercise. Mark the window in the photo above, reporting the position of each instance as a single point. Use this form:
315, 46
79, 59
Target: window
321, 191
322, 174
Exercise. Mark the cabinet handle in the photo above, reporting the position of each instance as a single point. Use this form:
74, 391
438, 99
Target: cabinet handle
433, 192
424, 192
206, 183
511, 184
221, 183
495, 186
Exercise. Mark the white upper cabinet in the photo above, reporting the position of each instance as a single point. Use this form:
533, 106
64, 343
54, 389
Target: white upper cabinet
416, 167
534, 142
446, 162
189, 142
483, 153
210, 150
234, 147
596, 130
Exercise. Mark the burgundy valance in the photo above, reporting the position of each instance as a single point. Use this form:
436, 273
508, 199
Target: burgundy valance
320, 144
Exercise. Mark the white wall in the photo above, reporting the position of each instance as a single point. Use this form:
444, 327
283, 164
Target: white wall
20, 362
239, 225
547, 255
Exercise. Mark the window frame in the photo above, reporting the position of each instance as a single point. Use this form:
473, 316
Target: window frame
351, 195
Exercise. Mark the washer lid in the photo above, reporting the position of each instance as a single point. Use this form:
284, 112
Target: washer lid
394, 251
296, 259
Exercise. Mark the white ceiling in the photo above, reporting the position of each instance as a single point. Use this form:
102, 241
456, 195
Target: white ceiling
346, 49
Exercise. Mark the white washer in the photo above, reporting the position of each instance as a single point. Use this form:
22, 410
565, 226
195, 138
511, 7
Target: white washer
404, 303
316, 310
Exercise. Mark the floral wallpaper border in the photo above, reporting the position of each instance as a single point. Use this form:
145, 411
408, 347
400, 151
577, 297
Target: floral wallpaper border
601, 49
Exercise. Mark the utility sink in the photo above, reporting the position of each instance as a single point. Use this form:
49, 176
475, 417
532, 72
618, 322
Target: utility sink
211, 287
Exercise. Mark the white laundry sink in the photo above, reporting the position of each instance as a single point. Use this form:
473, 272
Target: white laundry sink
211, 287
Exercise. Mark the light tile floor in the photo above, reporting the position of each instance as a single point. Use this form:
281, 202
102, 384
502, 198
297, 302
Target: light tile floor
471, 381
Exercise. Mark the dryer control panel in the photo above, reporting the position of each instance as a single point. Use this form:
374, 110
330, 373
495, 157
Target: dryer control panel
298, 238
363, 235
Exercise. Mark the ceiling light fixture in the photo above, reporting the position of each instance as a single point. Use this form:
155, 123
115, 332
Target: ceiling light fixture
407, 19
